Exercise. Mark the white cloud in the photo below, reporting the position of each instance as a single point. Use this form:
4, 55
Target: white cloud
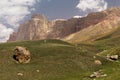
92, 5
4, 32
14, 11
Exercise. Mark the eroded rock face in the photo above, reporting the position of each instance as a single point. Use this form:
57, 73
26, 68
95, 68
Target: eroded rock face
21, 55
40, 28
12, 37
35, 29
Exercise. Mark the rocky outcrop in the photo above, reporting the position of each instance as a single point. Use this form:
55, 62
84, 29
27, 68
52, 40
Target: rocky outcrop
36, 28
12, 37
40, 28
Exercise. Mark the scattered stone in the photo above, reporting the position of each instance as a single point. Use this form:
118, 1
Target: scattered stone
37, 70
95, 75
20, 74
94, 57
112, 57
98, 62
21, 55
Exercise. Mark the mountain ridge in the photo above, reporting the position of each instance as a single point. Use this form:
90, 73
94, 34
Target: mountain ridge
101, 29
40, 28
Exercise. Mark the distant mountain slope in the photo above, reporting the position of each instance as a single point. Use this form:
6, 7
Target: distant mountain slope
40, 28
107, 26
110, 41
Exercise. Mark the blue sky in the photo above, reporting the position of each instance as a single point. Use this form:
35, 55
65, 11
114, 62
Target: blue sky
58, 8
13, 12
64, 8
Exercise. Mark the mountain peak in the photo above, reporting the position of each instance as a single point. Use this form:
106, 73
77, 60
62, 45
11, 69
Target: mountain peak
38, 16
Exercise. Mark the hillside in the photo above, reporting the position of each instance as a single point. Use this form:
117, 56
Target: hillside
109, 41
58, 60
108, 26
55, 60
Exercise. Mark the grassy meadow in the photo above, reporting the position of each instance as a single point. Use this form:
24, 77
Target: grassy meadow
58, 60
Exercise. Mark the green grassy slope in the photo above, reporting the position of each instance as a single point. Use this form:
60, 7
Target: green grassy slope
54, 59
58, 60
110, 45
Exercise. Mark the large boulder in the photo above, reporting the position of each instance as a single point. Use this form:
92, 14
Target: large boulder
21, 54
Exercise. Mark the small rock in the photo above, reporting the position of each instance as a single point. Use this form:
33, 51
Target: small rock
94, 57
95, 74
19, 74
98, 62
112, 57
37, 70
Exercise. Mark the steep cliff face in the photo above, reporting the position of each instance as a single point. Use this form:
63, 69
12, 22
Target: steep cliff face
40, 28
36, 28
